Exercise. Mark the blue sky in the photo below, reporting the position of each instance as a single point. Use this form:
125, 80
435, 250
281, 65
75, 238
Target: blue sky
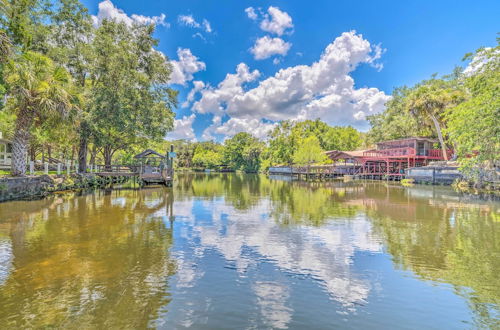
233, 51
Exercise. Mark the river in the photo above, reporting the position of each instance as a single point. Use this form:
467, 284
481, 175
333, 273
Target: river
234, 251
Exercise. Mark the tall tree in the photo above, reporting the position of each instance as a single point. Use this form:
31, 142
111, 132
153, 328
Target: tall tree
72, 32
39, 89
430, 100
130, 99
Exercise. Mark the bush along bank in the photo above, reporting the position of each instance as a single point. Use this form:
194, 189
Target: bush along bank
38, 186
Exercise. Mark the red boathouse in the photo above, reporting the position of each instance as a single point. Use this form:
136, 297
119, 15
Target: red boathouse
389, 158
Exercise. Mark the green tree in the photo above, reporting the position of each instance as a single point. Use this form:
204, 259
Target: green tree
281, 144
206, 158
242, 152
129, 98
342, 138
429, 101
309, 151
394, 122
5, 42
25, 23
475, 124
39, 89
71, 31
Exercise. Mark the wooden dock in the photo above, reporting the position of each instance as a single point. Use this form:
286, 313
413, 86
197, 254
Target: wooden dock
154, 168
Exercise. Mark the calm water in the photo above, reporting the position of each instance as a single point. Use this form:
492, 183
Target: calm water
247, 252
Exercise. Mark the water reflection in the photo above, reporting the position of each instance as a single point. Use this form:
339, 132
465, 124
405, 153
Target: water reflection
241, 251
432, 231
99, 260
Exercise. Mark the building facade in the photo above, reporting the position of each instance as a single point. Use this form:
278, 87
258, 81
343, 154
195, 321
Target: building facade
5, 152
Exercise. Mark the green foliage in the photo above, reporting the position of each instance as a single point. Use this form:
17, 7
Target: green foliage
474, 125
242, 152
395, 122
7, 120
206, 158
287, 136
281, 144
309, 152
342, 138
38, 86
129, 98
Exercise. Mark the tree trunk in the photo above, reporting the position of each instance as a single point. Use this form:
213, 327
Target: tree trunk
72, 155
83, 147
440, 136
108, 155
49, 153
32, 151
93, 154
20, 143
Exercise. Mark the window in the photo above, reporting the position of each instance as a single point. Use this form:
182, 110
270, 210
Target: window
9, 147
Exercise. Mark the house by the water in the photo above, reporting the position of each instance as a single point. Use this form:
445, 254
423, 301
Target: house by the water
5, 152
389, 158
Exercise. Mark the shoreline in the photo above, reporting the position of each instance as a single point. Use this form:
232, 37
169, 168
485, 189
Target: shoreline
27, 187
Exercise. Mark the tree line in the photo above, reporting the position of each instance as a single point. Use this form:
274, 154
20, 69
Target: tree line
290, 142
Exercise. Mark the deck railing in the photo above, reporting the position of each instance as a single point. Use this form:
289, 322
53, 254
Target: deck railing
390, 152
438, 153
407, 152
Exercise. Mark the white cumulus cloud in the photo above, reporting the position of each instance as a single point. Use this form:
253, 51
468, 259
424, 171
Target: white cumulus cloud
107, 10
184, 68
251, 13
198, 86
233, 126
323, 89
183, 129
212, 99
266, 47
276, 21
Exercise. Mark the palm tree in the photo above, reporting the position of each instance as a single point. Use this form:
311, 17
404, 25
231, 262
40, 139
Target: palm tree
38, 90
429, 102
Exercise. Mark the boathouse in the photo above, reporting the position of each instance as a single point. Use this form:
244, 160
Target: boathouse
389, 158
155, 167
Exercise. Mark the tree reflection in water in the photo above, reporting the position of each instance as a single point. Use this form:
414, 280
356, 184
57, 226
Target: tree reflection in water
98, 260
109, 259
437, 234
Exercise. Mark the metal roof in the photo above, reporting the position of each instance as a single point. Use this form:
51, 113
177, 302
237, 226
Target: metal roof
149, 152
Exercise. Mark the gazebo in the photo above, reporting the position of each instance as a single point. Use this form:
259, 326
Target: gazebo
155, 167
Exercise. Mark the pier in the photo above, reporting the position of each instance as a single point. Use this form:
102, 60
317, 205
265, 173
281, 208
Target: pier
153, 168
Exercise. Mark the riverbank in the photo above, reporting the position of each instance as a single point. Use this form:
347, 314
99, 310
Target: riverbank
12, 188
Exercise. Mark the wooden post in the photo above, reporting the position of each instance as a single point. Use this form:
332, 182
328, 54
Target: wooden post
32, 168
58, 168
68, 167
46, 168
